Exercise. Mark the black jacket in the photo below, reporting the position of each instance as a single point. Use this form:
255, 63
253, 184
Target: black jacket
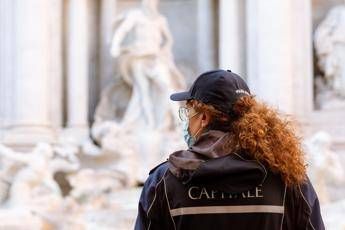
208, 187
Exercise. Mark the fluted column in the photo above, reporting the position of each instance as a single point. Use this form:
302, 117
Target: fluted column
107, 64
232, 35
206, 49
77, 68
32, 57
279, 53
6, 63
303, 57
269, 51
56, 63
27, 75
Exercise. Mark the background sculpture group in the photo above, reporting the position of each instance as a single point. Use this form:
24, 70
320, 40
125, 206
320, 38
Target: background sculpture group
135, 119
330, 51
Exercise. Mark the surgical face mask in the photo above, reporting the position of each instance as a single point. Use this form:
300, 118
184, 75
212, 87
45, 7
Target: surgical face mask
188, 138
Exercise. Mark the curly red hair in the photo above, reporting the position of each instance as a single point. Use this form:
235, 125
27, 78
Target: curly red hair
261, 132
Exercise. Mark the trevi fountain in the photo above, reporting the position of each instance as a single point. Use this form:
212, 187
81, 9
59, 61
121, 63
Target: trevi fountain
90, 178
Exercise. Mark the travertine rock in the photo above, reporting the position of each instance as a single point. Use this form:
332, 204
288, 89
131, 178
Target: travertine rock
330, 50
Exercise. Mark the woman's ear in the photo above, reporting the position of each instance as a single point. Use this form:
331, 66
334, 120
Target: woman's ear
205, 119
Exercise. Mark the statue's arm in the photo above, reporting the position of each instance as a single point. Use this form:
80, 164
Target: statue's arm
119, 34
167, 46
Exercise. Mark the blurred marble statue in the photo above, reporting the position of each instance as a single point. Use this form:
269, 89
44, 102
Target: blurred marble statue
8, 169
134, 114
324, 165
330, 51
34, 185
90, 196
142, 43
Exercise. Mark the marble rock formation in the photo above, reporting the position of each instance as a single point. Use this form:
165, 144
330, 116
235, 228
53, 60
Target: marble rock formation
324, 165
329, 43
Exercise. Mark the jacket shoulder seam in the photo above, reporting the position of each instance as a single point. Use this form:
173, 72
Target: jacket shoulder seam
154, 198
156, 167
166, 197
305, 200
254, 161
281, 224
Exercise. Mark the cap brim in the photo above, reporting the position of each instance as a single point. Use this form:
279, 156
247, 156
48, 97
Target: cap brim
183, 96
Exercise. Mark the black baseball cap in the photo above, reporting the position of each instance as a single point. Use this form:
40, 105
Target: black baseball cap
219, 88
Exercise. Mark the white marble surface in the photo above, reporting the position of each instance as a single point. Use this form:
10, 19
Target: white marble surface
25, 65
330, 50
327, 173
99, 198
279, 53
120, 216
325, 168
232, 48
78, 63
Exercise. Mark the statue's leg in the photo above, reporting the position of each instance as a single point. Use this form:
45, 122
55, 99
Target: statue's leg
133, 109
142, 82
163, 80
